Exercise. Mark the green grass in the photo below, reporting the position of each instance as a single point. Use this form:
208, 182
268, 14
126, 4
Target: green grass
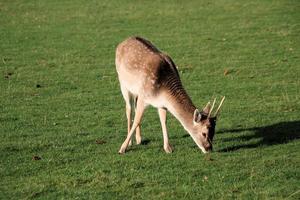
60, 93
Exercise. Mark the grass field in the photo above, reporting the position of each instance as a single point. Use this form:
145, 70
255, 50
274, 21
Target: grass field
62, 116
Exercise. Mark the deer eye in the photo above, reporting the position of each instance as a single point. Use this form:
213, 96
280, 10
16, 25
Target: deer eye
204, 134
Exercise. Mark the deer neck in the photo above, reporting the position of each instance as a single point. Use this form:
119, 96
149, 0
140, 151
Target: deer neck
182, 107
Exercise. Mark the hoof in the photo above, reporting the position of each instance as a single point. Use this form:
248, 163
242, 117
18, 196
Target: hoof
138, 142
168, 149
122, 151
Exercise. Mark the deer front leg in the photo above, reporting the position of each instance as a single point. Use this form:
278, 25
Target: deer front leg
163, 118
140, 107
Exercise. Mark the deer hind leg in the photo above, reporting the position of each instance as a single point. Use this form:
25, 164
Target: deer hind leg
163, 118
128, 101
140, 108
138, 136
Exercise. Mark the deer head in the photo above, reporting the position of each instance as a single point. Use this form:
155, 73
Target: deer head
204, 126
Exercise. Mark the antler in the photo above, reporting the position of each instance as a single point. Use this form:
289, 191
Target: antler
207, 106
218, 109
211, 109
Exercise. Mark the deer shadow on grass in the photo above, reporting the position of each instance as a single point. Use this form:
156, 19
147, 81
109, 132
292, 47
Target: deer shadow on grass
279, 133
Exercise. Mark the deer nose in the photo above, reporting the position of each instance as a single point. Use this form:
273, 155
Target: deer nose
208, 147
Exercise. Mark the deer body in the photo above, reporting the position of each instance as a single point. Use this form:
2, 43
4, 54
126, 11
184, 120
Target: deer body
149, 77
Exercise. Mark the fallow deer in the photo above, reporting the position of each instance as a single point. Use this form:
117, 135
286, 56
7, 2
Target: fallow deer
149, 77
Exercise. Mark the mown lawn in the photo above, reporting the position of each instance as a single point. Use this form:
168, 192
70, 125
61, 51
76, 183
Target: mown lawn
62, 116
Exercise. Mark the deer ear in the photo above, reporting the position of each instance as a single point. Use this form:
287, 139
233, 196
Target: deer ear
197, 116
